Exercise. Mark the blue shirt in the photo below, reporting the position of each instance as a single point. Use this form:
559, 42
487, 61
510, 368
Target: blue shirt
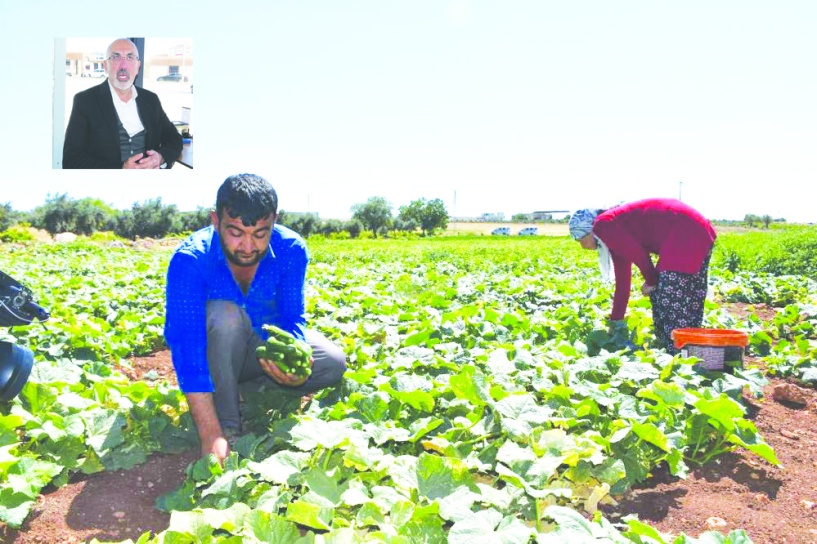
198, 272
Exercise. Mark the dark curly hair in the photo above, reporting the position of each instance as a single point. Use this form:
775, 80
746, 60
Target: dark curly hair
247, 196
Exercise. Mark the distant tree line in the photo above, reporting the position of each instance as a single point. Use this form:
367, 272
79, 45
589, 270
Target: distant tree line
750, 220
153, 219
86, 216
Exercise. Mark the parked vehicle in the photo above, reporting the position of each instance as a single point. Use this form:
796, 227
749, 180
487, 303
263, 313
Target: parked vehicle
98, 72
501, 231
529, 231
172, 77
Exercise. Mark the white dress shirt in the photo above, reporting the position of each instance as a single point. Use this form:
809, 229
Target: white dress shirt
127, 112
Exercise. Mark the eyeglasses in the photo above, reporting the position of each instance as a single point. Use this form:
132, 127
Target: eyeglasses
118, 58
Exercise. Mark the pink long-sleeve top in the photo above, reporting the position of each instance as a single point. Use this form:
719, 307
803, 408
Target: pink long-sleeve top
678, 234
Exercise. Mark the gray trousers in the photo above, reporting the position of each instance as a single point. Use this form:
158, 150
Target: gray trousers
231, 344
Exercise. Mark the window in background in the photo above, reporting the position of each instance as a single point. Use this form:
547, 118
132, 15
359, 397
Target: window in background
167, 70
83, 67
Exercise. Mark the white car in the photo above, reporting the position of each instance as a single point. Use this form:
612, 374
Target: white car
503, 231
529, 231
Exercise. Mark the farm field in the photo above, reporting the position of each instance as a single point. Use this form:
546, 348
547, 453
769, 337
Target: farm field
480, 405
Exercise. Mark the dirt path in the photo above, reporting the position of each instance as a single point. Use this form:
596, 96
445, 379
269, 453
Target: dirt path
545, 229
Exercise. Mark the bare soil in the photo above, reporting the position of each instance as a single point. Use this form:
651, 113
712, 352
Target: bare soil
773, 504
740, 491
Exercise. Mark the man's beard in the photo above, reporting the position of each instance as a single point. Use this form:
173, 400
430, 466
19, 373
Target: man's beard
123, 85
234, 259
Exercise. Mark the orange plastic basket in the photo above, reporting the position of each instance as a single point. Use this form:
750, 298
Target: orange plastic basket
709, 337
710, 345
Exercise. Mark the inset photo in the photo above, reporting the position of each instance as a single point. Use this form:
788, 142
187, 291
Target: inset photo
123, 103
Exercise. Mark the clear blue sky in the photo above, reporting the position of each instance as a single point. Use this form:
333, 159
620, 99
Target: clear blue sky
511, 106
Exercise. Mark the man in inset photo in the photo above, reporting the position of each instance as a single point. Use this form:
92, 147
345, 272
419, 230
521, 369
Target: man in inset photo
117, 124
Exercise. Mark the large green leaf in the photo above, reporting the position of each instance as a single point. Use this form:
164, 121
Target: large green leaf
490, 527
471, 385
438, 477
260, 526
280, 468
310, 514
521, 414
104, 429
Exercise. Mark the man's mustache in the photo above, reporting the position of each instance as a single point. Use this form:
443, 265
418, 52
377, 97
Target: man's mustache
123, 72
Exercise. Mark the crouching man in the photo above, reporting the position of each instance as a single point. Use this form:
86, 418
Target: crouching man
224, 283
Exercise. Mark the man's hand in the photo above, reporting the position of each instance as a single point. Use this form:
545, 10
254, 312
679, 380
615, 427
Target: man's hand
149, 160
210, 432
217, 445
647, 289
290, 380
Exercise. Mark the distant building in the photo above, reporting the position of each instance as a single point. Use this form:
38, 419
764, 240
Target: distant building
499, 216
546, 215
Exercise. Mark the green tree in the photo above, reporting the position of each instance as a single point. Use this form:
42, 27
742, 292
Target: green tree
93, 215
8, 216
434, 216
375, 214
58, 214
353, 227
766, 219
302, 223
330, 226
751, 220
405, 225
149, 219
430, 215
195, 220
412, 212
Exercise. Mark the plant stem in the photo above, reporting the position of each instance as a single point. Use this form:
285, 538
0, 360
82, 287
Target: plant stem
479, 439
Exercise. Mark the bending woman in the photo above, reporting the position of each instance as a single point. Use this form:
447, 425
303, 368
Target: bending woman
630, 233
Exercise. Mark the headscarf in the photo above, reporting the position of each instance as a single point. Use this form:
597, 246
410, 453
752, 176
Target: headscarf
580, 225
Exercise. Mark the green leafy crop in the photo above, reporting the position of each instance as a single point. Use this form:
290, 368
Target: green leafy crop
485, 398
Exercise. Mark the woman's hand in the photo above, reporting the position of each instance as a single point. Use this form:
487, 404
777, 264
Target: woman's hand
647, 289
614, 326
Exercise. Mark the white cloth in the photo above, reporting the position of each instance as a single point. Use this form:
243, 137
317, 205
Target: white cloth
605, 262
127, 111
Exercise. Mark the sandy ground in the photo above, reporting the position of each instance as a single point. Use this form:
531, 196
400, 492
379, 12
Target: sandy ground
545, 229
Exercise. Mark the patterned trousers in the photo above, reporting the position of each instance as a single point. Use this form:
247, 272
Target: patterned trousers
678, 302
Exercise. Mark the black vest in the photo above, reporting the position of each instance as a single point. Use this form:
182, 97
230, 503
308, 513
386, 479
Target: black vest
130, 145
